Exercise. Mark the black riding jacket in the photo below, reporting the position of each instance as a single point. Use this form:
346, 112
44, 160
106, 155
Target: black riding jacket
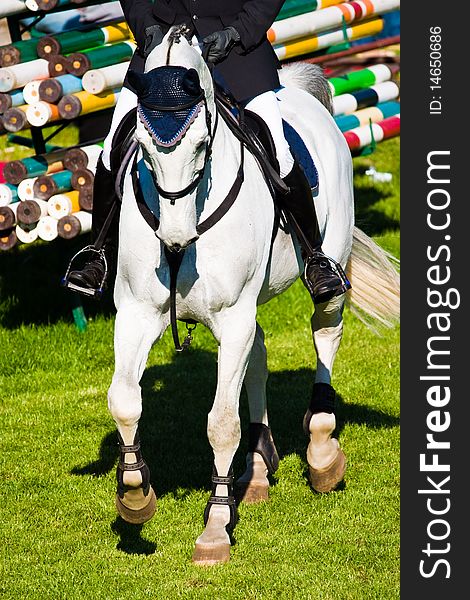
250, 68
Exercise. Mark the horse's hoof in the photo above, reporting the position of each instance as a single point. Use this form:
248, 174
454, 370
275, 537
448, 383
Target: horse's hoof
328, 478
141, 515
251, 493
207, 555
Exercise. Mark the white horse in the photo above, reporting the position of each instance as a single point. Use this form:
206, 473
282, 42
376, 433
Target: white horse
230, 270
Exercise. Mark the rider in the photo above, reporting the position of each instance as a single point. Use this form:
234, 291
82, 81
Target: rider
234, 34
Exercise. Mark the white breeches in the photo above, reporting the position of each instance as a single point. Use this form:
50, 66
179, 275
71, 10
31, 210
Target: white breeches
265, 105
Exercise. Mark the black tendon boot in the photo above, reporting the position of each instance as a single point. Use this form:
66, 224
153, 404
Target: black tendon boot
323, 277
91, 279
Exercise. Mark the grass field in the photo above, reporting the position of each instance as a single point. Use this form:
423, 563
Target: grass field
60, 535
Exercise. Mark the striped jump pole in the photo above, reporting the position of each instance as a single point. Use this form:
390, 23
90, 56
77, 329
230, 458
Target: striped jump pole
361, 137
43, 164
26, 234
57, 65
76, 40
51, 90
78, 63
71, 226
327, 39
96, 81
41, 113
14, 119
358, 80
8, 216
18, 52
62, 205
83, 103
30, 211
292, 8
11, 7
11, 100
334, 17
46, 186
18, 76
25, 189
365, 47
84, 157
8, 194
8, 239
82, 180
350, 103
364, 116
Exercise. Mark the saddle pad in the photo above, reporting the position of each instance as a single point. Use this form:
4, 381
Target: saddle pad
301, 154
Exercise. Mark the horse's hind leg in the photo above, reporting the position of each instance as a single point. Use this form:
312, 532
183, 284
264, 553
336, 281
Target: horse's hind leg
325, 458
235, 333
135, 331
262, 457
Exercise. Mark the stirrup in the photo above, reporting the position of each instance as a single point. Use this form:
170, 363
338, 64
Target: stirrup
93, 292
228, 500
336, 267
139, 465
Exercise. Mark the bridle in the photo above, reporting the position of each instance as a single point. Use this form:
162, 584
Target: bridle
173, 196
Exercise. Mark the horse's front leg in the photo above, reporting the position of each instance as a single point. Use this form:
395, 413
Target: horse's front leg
326, 460
262, 457
136, 329
235, 331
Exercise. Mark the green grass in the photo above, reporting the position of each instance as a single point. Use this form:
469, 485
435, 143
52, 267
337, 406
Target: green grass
60, 535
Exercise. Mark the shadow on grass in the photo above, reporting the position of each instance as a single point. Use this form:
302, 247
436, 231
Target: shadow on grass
176, 400
130, 538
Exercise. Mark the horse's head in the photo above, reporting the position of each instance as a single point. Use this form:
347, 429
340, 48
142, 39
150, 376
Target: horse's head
175, 128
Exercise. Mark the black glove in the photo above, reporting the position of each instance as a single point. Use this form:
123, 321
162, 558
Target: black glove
220, 43
153, 38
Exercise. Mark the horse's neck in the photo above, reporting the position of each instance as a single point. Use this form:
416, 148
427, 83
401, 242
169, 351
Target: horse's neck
225, 162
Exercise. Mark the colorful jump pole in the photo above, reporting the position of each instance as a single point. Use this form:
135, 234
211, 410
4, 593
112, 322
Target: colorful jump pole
46, 186
82, 157
292, 8
360, 137
334, 17
18, 76
8, 239
327, 39
373, 114
357, 80
11, 7
30, 211
18, 52
14, 119
96, 81
61, 205
47, 228
25, 188
26, 234
83, 103
51, 90
349, 103
82, 180
8, 194
43, 164
41, 113
71, 226
76, 40
328, 58
11, 100
8, 216
57, 65
78, 63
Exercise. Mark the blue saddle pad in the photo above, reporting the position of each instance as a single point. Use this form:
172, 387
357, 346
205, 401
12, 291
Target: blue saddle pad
301, 154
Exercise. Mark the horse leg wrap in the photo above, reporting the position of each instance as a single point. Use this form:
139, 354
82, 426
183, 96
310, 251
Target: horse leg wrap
228, 500
134, 508
323, 400
260, 440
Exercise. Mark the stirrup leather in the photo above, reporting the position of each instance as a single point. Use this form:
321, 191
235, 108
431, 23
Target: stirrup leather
228, 500
95, 292
139, 465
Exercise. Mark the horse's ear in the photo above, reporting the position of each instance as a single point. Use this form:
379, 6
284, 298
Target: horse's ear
190, 82
138, 81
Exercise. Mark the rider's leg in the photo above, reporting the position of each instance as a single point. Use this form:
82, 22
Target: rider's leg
104, 199
321, 278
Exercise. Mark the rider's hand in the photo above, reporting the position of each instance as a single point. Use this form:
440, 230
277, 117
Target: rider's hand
153, 38
220, 43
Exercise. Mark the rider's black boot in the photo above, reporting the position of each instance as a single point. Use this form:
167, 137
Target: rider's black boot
323, 277
91, 278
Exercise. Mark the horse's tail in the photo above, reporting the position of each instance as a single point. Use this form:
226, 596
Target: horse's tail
375, 293
310, 78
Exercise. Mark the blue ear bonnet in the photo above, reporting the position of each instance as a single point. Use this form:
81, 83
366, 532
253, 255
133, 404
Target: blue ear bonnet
169, 99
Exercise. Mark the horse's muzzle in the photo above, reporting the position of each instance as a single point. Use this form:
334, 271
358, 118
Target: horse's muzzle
177, 247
